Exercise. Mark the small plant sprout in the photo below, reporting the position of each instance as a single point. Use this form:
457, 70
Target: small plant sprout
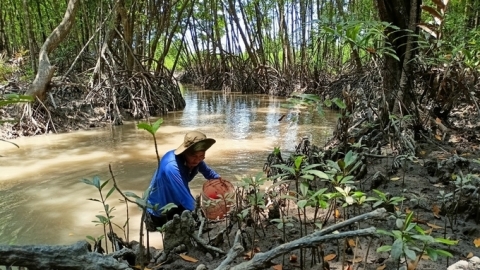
409, 239
107, 219
385, 200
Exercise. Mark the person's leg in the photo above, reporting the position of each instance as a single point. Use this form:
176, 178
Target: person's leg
153, 222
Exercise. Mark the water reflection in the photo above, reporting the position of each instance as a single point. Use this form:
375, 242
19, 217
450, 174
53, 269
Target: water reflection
44, 201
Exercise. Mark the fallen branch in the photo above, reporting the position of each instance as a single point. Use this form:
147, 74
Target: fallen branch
260, 260
233, 253
76, 256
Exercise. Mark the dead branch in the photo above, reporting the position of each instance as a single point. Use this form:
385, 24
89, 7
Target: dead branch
260, 260
76, 256
233, 253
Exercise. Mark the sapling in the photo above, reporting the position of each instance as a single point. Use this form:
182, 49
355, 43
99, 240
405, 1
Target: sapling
107, 219
410, 239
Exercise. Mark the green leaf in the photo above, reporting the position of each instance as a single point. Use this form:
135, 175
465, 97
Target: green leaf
87, 181
349, 158
318, 174
156, 125
141, 202
131, 194
380, 194
397, 234
432, 253
110, 192
340, 104
311, 166
347, 180
145, 126
409, 218
304, 188
410, 253
319, 192
104, 184
96, 181
302, 203
298, 162
446, 241
102, 219
358, 164
332, 164
385, 248
444, 253
397, 249
424, 238
308, 177
91, 238
375, 205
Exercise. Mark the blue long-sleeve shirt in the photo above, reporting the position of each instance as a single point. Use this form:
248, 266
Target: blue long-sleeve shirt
170, 182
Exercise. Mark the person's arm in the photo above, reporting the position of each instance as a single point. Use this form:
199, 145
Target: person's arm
207, 172
181, 195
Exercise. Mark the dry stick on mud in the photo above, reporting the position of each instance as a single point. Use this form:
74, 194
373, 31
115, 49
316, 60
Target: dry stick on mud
261, 259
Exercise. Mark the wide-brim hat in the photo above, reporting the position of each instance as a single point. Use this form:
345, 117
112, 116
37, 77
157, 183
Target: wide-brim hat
195, 141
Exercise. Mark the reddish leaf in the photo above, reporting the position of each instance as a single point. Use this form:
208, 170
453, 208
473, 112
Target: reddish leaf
437, 16
440, 4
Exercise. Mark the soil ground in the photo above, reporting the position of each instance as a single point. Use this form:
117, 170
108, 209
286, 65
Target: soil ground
416, 182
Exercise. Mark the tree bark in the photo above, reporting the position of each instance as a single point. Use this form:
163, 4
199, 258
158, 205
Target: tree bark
406, 75
40, 85
398, 13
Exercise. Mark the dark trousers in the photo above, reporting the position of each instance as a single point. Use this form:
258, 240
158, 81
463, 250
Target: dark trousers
152, 222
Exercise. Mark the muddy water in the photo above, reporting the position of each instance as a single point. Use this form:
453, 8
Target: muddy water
44, 201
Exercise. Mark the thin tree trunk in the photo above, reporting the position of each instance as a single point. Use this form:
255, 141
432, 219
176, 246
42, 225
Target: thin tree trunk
396, 12
29, 34
40, 85
406, 77
245, 39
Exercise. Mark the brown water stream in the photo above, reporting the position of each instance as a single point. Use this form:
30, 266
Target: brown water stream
43, 200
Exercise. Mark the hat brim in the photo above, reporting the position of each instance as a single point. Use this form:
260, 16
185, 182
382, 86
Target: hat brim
202, 145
